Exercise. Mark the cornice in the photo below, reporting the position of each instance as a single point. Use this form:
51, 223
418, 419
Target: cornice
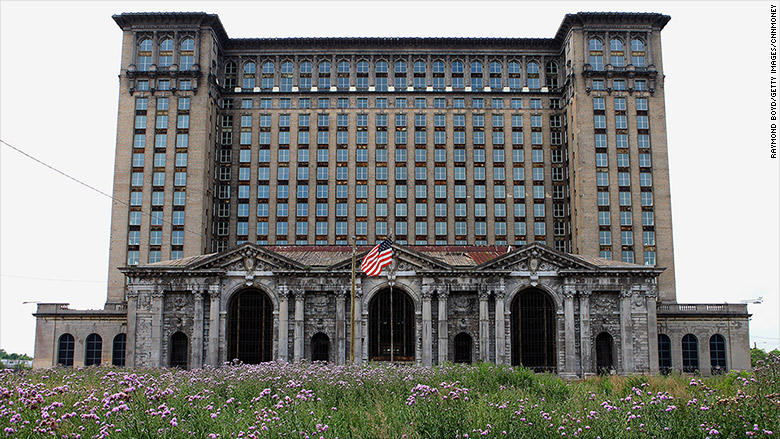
653, 20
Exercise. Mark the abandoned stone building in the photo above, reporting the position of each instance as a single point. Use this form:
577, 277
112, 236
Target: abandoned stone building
525, 182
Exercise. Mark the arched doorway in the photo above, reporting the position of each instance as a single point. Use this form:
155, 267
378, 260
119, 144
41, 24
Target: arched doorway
93, 352
664, 354
718, 354
690, 353
65, 350
533, 331
320, 347
250, 327
391, 326
605, 360
463, 348
179, 350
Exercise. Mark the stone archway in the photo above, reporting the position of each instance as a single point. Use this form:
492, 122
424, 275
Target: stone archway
250, 327
533, 330
391, 326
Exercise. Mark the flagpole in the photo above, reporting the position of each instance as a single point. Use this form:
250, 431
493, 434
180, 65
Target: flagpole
352, 306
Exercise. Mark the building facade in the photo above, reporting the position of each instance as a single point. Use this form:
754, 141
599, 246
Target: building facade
287, 148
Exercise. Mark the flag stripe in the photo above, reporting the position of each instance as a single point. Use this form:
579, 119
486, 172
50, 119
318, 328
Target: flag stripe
379, 257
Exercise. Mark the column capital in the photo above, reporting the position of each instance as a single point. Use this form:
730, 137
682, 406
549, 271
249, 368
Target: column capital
626, 293
484, 294
299, 293
426, 292
214, 291
651, 293
585, 293
442, 292
341, 293
132, 294
568, 292
158, 292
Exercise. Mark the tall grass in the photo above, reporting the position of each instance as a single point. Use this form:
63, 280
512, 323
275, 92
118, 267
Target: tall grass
383, 401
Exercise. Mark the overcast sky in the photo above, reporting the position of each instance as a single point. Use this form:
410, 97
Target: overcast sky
59, 63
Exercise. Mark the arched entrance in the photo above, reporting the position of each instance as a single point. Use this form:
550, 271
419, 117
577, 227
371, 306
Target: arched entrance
391, 326
320, 347
533, 331
463, 347
179, 350
605, 360
250, 327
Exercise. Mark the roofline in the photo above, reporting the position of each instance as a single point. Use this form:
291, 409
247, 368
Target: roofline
654, 19
129, 19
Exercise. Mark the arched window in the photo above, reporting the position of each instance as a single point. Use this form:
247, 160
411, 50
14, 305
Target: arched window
166, 53
514, 68
286, 80
419, 67
605, 359
515, 76
381, 67
391, 326
457, 67
476, 76
118, 351
551, 76
463, 347
249, 81
93, 350
637, 53
533, 331
65, 348
476, 67
230, 75
362, 67
145, 54
664, 354
690, 353
438, 67
187, 55
343, 66
324, 67
268, 68
179, 347
306, 67
304, 79
533, 75
596, 48
250, 327
718, 354
616, 52
320, 347
495, 68
400, 67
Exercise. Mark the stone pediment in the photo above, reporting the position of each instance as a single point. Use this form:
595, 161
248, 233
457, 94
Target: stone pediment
536, 258
404, 259
247, 257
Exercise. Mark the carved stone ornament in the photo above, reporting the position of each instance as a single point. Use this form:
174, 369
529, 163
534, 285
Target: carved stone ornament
426, 292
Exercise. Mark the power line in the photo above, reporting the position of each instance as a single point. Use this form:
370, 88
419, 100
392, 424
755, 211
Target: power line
52, 279
89, 186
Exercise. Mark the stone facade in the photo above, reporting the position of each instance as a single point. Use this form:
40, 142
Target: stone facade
308, 293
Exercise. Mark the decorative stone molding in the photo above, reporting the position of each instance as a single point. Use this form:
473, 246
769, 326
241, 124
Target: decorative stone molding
426, 292
442, 292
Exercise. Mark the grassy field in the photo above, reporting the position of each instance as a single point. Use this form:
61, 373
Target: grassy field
379, 401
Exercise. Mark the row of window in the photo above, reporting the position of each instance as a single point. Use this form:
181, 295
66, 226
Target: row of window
401, 120
689, 346
383, 102
166, 53
441, 75
617, 54
93, 350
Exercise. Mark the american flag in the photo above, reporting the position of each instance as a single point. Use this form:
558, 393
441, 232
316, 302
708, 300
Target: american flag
379, 257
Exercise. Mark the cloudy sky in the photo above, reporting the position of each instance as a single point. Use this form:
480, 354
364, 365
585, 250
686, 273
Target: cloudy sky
59, 63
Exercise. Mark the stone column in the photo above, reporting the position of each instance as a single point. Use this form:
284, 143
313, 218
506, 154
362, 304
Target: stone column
341, 326
427, 328
500, 326
443, 324
652, 329
484, 325
300, 294
196, 353
132, 312
358, 343
569, 337
157, 335
585, 337
626, 332
223, 336
213, 349
284, 326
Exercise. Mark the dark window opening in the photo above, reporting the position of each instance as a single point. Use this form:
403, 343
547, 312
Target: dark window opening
605, 360
65, 350
179, 350
320, 347
664, 354
718, 354
93, 351
463, 348
118, 354
690, 353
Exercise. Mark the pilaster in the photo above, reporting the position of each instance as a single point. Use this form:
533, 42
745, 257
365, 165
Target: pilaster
585, 336
443, 295
157, 313
500, 325
196, 353
300, 295
626, 332
341, 326
652, 329
484, 325
569, 336
132, 321
284, 327
427, 329
213, 349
